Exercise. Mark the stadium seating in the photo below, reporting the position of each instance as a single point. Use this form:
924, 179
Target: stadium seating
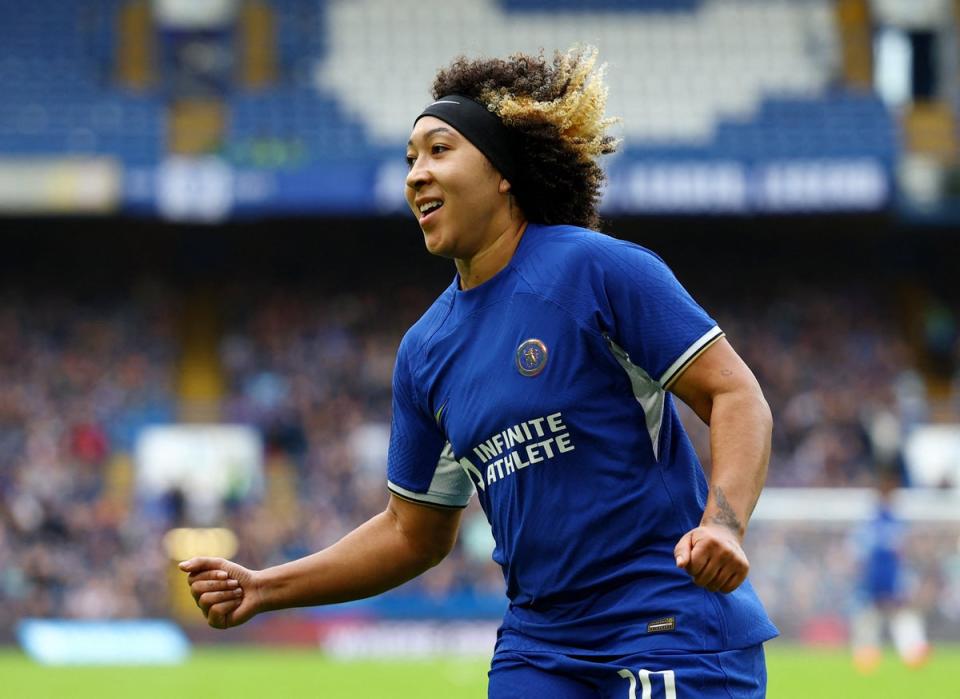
299, 121
55, 77
840, 125
672, 75
737, 81
301, 35
703, 80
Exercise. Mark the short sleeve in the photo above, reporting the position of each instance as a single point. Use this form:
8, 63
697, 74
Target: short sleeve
420, 462
654, 319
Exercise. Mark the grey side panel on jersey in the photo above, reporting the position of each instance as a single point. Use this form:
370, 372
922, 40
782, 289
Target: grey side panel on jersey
648, 392
450, 487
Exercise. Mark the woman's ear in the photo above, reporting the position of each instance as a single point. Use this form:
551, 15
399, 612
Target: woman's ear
504, 185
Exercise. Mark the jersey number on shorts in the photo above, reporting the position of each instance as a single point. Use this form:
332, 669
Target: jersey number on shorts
646, 686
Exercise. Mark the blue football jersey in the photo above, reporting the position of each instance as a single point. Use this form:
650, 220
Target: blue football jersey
544, 390
880, 542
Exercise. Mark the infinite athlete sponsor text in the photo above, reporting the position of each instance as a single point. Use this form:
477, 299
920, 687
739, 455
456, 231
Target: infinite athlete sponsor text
513, 449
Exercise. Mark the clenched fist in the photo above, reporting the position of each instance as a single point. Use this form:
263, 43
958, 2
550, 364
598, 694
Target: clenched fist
228, 594
713, 557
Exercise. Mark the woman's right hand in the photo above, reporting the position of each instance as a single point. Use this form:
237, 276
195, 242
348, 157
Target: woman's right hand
227, 593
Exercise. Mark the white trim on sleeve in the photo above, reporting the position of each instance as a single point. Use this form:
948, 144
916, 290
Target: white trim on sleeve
691, 353
450, 486
428, 498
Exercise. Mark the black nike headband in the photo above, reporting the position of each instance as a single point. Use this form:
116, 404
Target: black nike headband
478, 125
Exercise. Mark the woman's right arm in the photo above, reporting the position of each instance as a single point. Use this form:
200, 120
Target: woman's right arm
391, 548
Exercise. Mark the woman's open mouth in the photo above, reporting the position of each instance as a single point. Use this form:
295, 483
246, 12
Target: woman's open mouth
429, 210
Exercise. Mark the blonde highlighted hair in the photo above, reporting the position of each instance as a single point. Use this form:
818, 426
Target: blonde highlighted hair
555, 111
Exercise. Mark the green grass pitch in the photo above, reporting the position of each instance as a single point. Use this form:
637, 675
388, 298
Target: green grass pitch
229, 673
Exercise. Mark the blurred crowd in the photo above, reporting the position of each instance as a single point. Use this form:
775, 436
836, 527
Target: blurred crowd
314, 374
78, 379
839, 377
312, 371
808, 575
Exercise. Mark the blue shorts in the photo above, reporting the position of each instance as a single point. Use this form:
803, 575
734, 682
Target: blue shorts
732, 674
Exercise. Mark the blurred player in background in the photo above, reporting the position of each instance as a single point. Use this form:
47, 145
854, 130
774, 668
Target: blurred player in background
883, 595
542, 379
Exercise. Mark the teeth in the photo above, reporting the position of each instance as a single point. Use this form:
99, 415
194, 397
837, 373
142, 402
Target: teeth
429, 206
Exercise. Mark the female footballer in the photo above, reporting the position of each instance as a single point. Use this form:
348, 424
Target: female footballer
543, 379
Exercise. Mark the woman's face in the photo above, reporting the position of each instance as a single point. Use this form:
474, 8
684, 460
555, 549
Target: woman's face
446, 168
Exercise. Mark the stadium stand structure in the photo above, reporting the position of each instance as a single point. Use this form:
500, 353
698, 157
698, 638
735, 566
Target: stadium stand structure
290, 123
739, 82
673, 74
58, 98
740, 85
289, 127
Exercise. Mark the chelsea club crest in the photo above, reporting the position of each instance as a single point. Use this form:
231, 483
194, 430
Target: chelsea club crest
531, 357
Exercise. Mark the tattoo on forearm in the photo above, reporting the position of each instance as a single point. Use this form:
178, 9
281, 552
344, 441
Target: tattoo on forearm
725, 514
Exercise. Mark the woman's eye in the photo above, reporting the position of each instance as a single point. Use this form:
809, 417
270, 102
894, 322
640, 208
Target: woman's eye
435, 149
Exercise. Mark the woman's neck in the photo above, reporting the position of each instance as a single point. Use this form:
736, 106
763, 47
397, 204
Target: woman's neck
482, 266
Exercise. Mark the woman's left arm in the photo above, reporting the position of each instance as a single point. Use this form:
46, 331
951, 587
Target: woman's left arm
721, 389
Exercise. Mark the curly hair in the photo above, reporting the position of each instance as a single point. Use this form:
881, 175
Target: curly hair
554, 109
